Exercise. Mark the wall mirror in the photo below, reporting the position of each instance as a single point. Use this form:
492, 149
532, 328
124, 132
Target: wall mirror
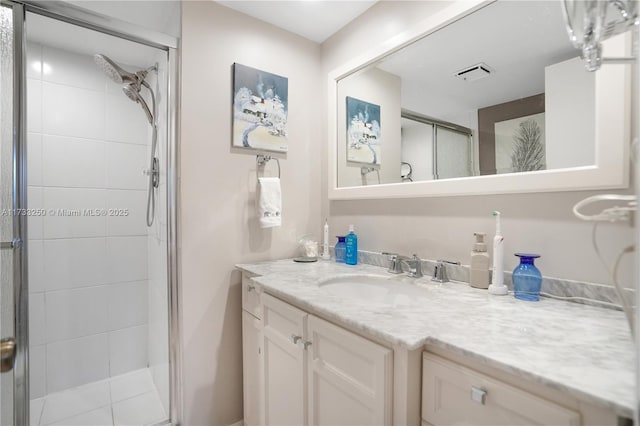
482, 97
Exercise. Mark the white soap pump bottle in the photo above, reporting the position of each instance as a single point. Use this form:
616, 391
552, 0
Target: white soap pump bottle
497, 286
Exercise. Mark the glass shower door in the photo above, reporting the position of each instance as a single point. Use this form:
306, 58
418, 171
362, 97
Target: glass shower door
13, 343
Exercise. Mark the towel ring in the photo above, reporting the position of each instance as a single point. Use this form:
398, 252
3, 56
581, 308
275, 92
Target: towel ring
262, 160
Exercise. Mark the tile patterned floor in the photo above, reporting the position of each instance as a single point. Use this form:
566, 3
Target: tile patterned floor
130, 399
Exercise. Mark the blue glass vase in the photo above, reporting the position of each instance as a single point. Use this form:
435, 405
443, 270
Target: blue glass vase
527, 278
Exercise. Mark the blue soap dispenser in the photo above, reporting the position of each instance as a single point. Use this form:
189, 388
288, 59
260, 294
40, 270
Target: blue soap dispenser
351, 240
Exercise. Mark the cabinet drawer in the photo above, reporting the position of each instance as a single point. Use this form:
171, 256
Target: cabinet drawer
453, 394
284, 322
251, 295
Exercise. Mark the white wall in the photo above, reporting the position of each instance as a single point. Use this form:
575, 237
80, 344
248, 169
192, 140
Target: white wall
442, 228
380, 88
570, 108
87, 275
218, 221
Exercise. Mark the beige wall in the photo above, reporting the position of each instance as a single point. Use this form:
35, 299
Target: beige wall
443, 227
218, 225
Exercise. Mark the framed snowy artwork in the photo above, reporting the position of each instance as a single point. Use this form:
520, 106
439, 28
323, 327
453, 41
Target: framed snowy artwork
260, 106
363, 132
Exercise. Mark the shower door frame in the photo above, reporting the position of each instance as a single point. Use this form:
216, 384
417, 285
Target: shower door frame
93, 21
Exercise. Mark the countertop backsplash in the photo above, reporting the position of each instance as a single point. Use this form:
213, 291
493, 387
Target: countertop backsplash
588, 293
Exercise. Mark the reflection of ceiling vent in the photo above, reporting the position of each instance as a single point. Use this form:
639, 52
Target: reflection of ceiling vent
474, 72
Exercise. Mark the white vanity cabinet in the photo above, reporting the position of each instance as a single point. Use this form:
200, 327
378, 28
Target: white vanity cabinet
453, 394
303, 370
312, 372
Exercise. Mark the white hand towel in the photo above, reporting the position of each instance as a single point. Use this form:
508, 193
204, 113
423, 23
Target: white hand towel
269, 202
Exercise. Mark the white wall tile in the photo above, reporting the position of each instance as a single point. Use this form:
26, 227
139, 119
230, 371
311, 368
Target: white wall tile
35, 222
34, 159
74, 362
125, 164
35, 253
127, 258
160, 374
125, 120
69, 167
141, 410
70, 111
134, 223
72, 263
66, 404
37, 371
127, 304
74, 162
76, 313
72, 69
34, 105
34, 60
157, 263
76, 200
37, 319
127, 349
99, 417
35, 411
128, 385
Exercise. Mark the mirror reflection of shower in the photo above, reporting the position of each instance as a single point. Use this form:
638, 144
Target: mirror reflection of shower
132, 84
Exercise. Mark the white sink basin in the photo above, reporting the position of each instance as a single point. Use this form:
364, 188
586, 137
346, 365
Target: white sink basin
374, 289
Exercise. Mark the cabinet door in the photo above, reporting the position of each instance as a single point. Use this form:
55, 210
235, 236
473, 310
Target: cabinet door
350, 377
285, 363
453, 394
252, 369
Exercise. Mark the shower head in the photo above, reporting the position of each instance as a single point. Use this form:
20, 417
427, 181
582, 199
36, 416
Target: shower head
113, 70
131, 82
132, 90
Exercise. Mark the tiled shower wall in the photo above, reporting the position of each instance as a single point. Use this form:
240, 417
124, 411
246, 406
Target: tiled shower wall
88, 291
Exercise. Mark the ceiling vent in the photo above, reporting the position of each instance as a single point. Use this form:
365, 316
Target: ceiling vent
474, 72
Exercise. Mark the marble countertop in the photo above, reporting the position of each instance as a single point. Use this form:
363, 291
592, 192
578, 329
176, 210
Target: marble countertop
583, 350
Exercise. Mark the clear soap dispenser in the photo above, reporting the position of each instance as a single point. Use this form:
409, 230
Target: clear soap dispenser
479, 276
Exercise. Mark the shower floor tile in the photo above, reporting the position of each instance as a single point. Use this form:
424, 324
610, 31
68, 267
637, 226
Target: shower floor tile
128, 399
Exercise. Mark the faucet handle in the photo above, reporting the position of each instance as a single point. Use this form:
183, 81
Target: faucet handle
440, 271
395, 264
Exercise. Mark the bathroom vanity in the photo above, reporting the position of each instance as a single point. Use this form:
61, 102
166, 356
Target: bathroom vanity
424, 354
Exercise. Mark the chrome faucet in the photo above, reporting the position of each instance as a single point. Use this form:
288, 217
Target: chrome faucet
440, 271
414, 264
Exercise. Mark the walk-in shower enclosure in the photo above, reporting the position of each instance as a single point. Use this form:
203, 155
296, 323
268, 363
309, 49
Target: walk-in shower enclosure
88, 289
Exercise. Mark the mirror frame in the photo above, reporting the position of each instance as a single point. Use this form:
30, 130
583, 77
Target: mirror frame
612, 123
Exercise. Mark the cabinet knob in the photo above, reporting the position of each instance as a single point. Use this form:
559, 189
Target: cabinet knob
295, 339
250, 288
478, 395
306, 344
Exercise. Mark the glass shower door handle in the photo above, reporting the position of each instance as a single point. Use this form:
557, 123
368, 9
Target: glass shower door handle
7, 354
